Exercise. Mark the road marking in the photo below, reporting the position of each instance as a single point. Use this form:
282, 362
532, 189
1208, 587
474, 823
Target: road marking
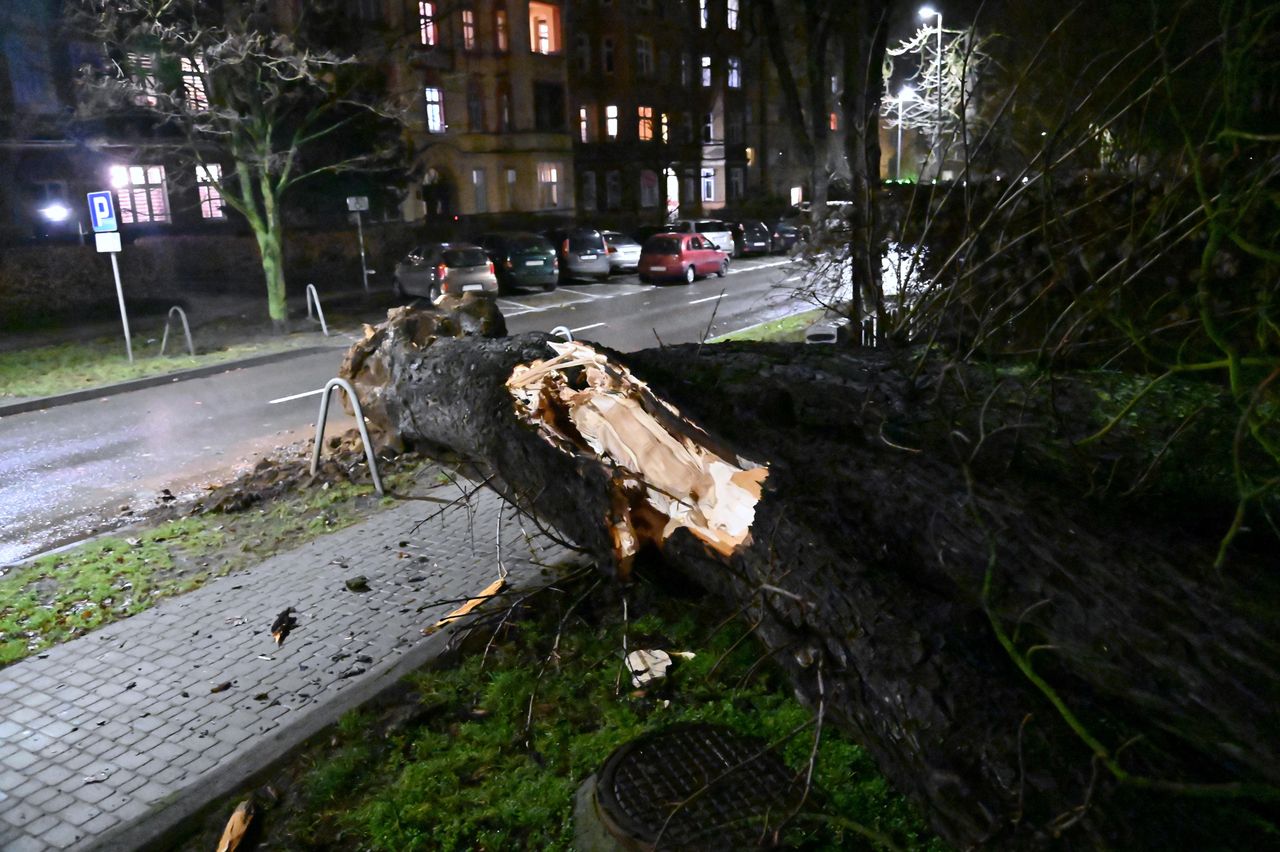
707, 299
586, 327
584, 293
296, 396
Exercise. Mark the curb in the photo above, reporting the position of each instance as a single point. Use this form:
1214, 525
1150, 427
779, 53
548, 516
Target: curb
7, 409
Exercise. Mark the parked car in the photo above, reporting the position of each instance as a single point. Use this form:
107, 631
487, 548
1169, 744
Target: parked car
521, 259
434, 269
752, 237
717, 231
644, 232
682, 257
784, 236
624, 252
582, 252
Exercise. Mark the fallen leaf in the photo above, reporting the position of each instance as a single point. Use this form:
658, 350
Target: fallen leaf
237, 825
282, 625
222, 687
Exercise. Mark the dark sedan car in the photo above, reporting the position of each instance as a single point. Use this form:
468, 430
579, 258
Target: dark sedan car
785, 236
752, 237
521, 259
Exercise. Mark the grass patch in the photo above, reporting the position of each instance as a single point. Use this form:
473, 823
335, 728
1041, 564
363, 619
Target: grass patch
488, 754
66, 594
47, 370
788, 329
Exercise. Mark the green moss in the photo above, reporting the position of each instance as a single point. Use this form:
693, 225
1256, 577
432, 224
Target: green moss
788, 329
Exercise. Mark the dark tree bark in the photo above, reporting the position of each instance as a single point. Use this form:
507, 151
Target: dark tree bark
896, 532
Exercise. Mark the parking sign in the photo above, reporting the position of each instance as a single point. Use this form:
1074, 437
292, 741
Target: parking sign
102, 213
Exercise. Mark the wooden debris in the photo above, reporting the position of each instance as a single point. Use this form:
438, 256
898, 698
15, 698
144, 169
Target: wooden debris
237, 825
489, 591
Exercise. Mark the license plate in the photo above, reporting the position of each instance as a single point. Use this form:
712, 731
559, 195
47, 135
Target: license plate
533, 263
586, 257
472, 286
657, 269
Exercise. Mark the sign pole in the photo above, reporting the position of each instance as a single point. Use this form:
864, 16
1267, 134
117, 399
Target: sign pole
124, 317
364, 269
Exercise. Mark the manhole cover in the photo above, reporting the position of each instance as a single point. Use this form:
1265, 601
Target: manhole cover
696, 787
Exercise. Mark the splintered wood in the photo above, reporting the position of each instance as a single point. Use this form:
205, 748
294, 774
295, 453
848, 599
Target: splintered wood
667, 473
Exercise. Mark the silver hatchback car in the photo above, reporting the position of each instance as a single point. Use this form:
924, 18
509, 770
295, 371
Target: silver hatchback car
715, 230
435, 269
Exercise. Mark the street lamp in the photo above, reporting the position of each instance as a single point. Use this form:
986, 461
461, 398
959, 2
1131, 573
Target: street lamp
906, 93
927, 12
55, 212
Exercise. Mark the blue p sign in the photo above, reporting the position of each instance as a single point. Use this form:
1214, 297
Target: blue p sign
102, 213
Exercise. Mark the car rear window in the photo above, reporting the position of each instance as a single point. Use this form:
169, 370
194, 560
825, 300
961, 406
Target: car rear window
662, 245
586, 241
529, 242
620, 240
711, 226
455, 258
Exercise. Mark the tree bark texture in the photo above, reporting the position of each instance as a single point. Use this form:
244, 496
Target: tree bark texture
898, 528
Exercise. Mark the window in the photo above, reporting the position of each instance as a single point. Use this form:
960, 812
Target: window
475, 105
706, 71
708, 127
606, 55
142, 69
735, 129
584, 126
468, 29
544, 28
480, 190
735, 72
613, 190
207, 180
427, 24
835, 85
31, 68
548, 185
737, 187
708, 184
611, 121
666, 127
731, 14
588, 190
504, 106
645, 127
686, 69
686, 127
582, 52
548, 106
702, 14
835, 121
644, 55
140, 193
193, 90
501, 38
511, 189
648, 188
435, 109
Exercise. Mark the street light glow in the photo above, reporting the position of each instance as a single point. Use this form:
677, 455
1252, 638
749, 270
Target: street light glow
55, 212
906, 93
928, 12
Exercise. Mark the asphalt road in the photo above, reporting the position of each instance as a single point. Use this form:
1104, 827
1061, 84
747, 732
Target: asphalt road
70, 471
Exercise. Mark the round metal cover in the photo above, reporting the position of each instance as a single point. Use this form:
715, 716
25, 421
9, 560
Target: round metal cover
696, 787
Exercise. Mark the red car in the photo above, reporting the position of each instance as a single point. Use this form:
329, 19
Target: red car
680, 256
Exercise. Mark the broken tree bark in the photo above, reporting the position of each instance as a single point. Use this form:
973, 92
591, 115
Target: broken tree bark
891, 553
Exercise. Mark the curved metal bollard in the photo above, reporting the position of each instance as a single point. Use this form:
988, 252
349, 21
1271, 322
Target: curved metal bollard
314, 297
186, 329
364, 433
563, 332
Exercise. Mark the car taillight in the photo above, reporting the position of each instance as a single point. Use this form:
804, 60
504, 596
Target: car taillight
611, 250
564, 247
442, 271
491, 270
555, 263
507, 263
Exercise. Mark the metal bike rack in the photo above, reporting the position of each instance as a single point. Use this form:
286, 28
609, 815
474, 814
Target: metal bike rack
364, 433
563, 332
186, 330
314, 298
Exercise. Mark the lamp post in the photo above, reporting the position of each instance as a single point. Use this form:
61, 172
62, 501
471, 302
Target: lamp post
906, 93
927, 12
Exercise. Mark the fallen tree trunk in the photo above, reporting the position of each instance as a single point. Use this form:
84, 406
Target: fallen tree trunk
1029, 672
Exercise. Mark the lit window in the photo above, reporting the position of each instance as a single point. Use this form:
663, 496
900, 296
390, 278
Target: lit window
735, 72
708, 184
468, 29
548, 185
504, 106
611, 121
666, 127
613, 190
193, 89
480, 189
648, 188
142, 69
140, 193
706, 71
737, 186
708, 127
644, 55
511, 189
606, 55
835, 121
427, 23
588, 190
645, 129
583, 125
208, 179
544, 28
500, 35
702, 14
435, 110
731, 14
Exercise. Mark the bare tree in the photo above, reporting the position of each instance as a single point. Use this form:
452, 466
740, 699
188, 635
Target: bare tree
228, 83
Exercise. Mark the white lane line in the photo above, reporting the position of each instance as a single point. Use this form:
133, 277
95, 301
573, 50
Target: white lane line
315, 392
707, 299
519, 305
586, 327
584, 293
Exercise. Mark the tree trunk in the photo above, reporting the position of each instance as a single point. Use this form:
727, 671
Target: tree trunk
271, 246
895, 542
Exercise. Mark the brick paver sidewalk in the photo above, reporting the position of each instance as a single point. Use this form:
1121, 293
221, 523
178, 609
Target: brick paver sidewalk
108, 736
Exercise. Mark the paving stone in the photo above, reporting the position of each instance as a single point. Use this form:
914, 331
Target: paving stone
24, 843
62, 836
93, 793
53, 775
79, 813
